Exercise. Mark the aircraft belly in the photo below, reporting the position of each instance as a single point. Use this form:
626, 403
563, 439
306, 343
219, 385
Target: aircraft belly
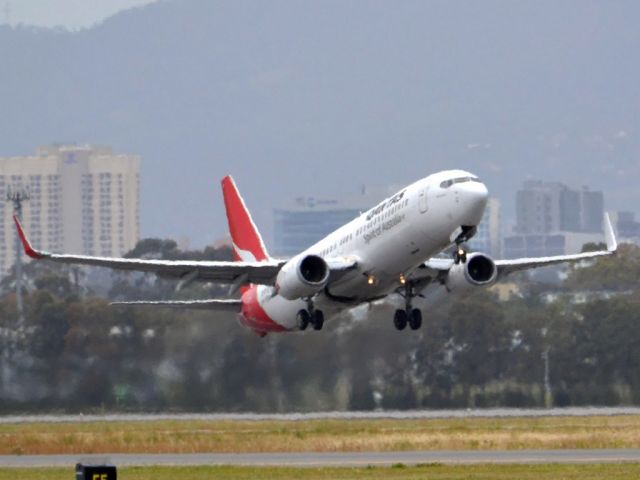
281, 310
385, 259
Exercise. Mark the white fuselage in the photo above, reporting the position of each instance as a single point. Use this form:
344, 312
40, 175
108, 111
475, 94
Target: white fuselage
389, 241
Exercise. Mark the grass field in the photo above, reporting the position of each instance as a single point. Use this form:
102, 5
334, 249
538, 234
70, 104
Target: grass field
194, 436
399, 472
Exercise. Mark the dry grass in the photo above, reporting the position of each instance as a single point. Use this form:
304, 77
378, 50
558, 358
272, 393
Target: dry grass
432, 472
321, 435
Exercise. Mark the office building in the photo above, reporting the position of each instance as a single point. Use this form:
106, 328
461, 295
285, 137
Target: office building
306, 220
552, 219
548, 207
488, 237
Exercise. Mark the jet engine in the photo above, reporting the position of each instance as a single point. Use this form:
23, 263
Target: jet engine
302, 277
478, 271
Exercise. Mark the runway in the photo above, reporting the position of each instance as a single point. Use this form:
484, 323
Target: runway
349, 459
390, 414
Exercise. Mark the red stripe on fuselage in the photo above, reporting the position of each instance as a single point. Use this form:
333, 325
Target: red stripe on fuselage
254, 316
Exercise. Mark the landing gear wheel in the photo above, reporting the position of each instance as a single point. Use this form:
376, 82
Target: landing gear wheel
415, 319
400, 320
318, 320
303, 318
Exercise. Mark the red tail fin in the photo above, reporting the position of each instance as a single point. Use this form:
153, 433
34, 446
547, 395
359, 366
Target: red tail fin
247, 242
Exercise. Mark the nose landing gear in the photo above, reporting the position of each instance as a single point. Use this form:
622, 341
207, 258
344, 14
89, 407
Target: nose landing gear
466, 233
460, 255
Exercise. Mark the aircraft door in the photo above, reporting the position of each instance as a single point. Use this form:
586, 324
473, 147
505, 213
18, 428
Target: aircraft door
423, 199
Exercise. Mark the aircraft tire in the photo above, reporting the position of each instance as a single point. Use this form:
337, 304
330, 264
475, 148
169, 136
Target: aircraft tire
400, 320
318, 320
303, 318
415, 319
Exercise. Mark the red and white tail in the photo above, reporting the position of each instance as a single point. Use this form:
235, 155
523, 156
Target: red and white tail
247, 242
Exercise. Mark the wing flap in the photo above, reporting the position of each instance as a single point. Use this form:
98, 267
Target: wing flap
222, 305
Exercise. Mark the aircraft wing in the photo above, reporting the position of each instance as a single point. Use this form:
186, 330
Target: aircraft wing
436, 268
222, 305
505, 267
186, 271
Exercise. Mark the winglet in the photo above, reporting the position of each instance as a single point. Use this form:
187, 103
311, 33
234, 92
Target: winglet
609, 235
28, 249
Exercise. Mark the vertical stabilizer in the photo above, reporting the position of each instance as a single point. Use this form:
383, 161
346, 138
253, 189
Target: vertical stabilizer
247, 242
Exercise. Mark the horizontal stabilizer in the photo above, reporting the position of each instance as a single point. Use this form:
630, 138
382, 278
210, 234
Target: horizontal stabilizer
230, 305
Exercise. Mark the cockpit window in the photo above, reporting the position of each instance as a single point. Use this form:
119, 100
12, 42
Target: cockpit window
448, 183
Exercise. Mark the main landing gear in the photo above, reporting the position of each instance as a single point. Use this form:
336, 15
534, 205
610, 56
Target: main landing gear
412, 317
310, 316
409, 316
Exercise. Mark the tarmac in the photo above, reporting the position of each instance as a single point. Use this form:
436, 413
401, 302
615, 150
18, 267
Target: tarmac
391, 414
347, 459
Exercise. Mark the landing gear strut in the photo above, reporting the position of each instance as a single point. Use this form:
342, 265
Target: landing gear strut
411, 316
466, 233
310, 316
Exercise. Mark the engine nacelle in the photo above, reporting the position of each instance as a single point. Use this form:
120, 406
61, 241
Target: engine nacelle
478, 271
302, 277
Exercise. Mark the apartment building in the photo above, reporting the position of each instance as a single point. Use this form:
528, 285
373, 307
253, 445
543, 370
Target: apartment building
82, 199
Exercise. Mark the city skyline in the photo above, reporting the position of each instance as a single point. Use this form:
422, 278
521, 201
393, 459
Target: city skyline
324, 214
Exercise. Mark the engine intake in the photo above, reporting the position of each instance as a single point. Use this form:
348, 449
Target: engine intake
302, 277
478, 271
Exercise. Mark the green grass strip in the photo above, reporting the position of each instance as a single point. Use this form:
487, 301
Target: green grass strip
397, 472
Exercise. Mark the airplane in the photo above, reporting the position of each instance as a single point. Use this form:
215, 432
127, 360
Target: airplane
387, 254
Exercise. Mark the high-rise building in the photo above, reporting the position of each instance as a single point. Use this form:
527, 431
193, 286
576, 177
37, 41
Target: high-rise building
547, 207
591, 210
552, 219
488, 237
83, 199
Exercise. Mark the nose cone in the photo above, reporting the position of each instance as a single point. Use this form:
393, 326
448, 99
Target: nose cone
473, 200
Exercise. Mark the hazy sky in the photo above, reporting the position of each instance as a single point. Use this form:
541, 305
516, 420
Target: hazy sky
317, 98
72, 14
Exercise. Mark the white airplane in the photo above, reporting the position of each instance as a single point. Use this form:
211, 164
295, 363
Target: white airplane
386, 254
